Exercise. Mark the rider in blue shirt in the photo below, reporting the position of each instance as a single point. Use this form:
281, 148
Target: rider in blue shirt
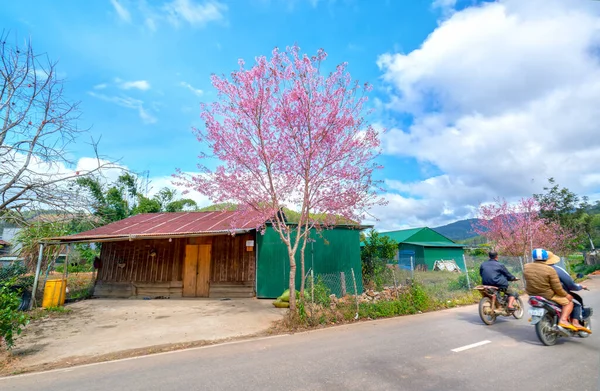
569, 285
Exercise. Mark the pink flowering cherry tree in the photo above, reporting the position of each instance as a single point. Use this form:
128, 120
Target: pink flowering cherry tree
514, 229
286, 135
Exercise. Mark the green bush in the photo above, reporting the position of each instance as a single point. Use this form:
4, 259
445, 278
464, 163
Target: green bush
75, 267
15, 273
11, 319
11, 271
585, 269
462, 284
320, 290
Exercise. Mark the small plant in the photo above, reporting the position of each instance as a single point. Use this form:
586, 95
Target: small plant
11, 319
321, 291
420, 298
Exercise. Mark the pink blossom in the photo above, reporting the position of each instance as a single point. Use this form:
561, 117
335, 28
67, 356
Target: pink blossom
284, 134
515, 229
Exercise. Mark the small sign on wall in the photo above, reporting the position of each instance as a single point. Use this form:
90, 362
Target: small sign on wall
249, 245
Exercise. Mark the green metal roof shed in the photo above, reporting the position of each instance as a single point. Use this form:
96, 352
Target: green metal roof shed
425, 246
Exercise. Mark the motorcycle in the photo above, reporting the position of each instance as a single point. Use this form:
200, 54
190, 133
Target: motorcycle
545, 315
494, 303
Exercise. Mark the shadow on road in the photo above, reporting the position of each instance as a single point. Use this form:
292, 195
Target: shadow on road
518, 329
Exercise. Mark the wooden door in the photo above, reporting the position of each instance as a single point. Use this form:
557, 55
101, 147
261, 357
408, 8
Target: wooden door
196, 271
203, 277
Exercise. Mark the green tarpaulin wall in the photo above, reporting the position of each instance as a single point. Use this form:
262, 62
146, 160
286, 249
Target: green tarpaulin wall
333, 251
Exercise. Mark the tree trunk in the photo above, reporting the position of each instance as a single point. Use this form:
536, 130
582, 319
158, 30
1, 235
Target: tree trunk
302, 267
292, 281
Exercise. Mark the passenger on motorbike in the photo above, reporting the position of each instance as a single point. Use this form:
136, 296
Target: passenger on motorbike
569, 286
542, 280
494, 273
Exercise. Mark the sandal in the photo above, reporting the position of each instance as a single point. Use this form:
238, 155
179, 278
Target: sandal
584, 329
567, 326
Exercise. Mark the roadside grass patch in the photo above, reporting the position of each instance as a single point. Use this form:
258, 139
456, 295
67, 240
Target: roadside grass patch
417, 298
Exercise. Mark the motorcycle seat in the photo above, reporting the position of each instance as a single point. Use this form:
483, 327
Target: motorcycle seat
487, 287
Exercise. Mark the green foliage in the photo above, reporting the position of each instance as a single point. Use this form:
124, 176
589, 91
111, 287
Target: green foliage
321, 291
480, 251
585, 269
415, 300
419, 297
377, 251
561, 205
30, 236
218, 207
571, 212
123, 198
11, 319
462, 283
12, 271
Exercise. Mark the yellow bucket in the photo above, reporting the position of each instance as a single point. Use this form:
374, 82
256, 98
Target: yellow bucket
55, 293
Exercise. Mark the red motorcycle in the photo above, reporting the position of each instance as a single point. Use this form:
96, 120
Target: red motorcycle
545, 315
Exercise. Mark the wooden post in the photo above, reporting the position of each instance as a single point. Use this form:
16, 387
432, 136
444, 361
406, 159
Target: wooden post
343, 277
65, 273
467, 272
36, 279
355, 293
312, 287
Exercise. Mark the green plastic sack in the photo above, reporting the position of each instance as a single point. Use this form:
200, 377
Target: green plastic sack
281, 304
285, 296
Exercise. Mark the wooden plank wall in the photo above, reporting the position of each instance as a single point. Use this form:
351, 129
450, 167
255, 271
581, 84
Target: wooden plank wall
142, 275
230, 262
131, 261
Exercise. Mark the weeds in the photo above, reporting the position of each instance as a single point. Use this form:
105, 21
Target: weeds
417, 298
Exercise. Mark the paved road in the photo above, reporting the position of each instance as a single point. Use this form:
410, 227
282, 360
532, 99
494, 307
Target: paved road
408, 353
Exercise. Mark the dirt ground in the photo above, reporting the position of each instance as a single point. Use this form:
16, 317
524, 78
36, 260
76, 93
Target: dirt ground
101, 327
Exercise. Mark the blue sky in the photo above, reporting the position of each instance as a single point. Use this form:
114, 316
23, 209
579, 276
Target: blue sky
96, 46
141, 68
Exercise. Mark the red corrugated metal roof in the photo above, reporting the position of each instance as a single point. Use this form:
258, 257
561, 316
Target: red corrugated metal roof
171, 224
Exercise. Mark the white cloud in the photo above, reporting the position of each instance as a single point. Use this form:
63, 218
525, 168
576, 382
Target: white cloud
100, 86
157, 183
194, 13
130, 103
196, 91
142, 85
504, 95
121, 11
444, 4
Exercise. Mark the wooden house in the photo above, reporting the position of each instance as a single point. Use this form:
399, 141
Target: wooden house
205, 254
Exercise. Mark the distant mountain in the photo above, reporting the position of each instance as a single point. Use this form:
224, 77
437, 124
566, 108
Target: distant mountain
459, 230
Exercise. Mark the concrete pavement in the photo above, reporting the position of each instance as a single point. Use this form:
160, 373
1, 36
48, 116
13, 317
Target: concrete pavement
407, 353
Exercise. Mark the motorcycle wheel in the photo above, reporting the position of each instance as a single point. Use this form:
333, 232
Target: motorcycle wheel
588, 324
543, 329
518, 313
486, 312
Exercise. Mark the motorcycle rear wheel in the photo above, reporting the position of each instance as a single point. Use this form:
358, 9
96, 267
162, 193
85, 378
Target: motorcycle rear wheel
543, 329
520, 310
486, 312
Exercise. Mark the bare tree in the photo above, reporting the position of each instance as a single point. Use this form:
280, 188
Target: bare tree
37, 126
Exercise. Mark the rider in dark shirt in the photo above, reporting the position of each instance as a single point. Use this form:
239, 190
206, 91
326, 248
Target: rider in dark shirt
495, 274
